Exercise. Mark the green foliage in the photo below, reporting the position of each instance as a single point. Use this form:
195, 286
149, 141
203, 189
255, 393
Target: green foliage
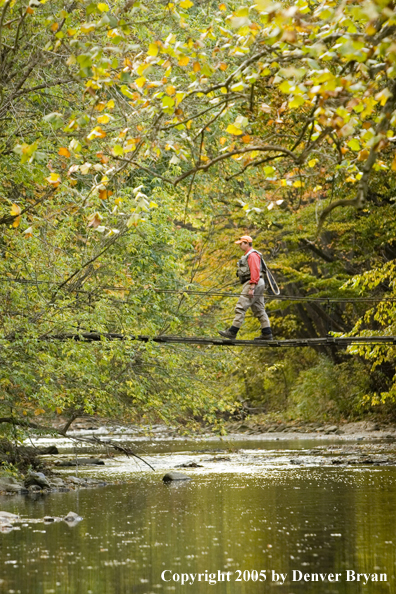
328, 391
135, 141
9, 470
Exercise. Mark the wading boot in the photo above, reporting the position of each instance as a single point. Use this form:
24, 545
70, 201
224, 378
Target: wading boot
230, 332
266, 334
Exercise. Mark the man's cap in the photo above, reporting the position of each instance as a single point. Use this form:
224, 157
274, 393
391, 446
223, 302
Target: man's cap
245, 238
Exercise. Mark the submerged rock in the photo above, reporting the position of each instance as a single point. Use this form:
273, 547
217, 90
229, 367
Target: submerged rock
175, 476
189, 465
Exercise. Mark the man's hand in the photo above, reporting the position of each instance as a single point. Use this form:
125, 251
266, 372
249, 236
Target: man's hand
251, 292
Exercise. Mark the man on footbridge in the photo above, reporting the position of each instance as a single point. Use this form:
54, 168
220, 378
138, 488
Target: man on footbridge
251, 271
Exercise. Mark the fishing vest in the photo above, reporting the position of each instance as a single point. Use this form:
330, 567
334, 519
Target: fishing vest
243, 270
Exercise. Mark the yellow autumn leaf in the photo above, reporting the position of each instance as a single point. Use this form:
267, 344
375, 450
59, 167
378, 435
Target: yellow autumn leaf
184, 61
394, 164
196, 66
139, 82
362, 156
39, 411
104, 194
297, 101
58, 410
231, 129
16, 222
222, 6
170, 90
97, 132
110, 104
53, 178
100, 106
15, 210
186, 4
85, 168
64, 152
370, 29
103, 119
298, 184
103, 7
153, 49
383, 96
312, 162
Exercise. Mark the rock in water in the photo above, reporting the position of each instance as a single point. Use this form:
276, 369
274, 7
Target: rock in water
37, 478
49, 450
7, 516
75, 480
72, 517
57, 482
175, 476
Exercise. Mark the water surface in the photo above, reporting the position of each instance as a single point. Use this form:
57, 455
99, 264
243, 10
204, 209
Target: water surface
255, 511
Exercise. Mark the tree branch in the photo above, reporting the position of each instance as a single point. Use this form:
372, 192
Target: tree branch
94, 440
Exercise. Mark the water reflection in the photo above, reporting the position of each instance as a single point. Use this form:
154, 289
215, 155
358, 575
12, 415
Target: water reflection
308, 519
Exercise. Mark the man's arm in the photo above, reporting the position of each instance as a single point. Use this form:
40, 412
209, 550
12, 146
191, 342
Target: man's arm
254, 266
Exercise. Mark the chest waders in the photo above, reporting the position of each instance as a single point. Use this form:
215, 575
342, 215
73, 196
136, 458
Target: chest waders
255, 302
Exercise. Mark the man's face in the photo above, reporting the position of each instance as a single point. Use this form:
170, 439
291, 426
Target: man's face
244, 245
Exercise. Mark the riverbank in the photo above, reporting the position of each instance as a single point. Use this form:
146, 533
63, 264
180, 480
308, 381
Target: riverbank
257, 425
254, 425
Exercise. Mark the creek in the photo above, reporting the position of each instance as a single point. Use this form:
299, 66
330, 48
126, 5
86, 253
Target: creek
254, 506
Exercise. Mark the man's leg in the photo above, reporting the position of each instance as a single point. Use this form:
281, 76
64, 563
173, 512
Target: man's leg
258, 310
244, 302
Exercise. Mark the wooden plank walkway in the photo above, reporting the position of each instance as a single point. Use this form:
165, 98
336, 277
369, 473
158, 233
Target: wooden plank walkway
309, 342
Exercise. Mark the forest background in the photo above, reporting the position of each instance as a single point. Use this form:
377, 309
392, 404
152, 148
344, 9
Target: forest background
137, 142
